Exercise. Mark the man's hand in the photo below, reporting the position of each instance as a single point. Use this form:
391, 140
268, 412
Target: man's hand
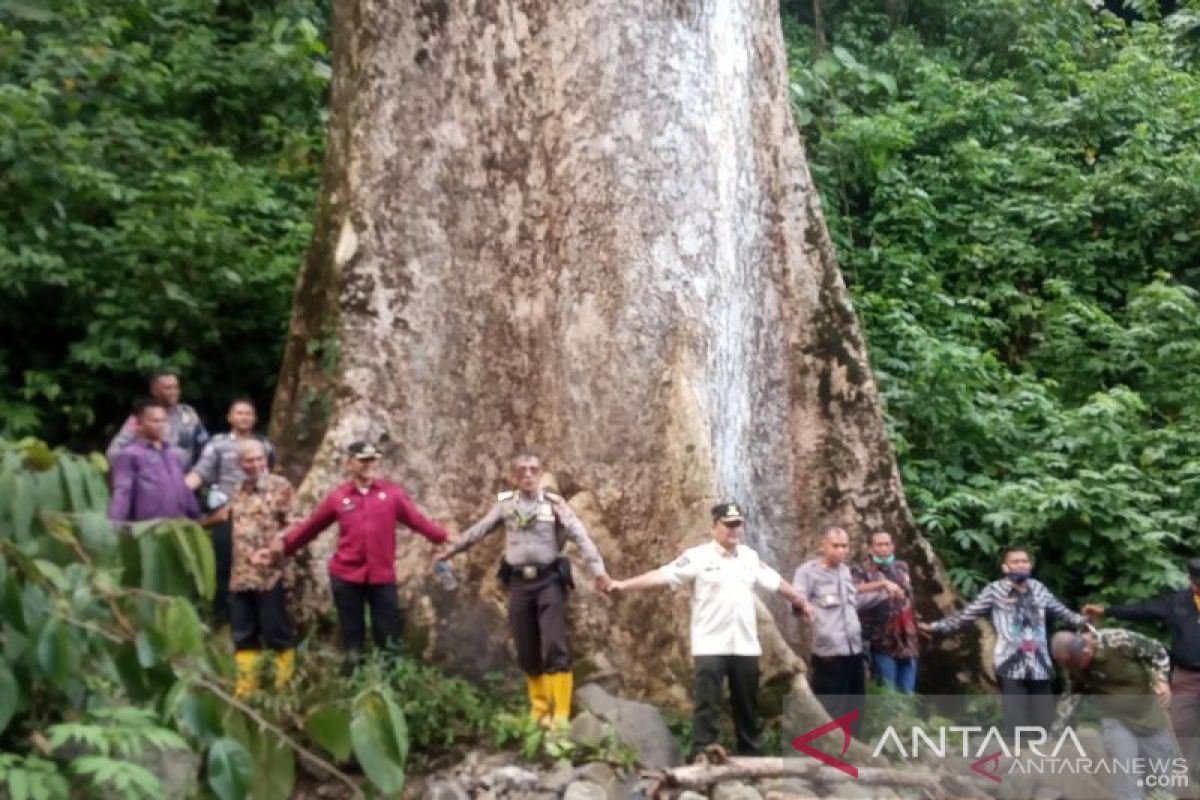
1162, 690
801, 608
261, 558
925, 631
615, 586
604, 584
1093, 612
894, 590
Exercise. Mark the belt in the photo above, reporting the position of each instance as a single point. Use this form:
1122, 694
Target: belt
531, 572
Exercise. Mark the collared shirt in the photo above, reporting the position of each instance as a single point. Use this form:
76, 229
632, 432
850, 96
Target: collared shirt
835, 602
1019, 619
148, 484
724, 621
261, 511
1120, 680
891, 626
367, 519
220, 464
1178, 611
185, 434
531, 527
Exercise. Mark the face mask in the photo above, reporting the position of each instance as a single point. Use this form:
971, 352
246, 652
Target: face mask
887, 562
1018, 577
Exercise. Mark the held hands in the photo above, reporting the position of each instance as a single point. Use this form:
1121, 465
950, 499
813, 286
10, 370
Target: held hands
1093, 612
894, 590
266, 556
925, 631
1162, 691
801, 608
605, 584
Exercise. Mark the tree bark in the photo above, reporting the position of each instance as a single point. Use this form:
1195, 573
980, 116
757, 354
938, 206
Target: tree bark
585, 226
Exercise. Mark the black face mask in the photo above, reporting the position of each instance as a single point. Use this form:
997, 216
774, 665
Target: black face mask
1018, 576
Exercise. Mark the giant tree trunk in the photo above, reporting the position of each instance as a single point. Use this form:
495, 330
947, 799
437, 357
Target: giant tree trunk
585, 226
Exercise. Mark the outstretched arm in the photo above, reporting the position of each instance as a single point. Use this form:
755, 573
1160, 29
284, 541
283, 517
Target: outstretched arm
647, 580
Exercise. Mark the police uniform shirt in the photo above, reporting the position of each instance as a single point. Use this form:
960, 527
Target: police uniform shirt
835, 601
724, 621
220, 463
531, 526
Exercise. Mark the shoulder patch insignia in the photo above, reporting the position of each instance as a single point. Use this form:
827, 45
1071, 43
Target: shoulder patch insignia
505, 496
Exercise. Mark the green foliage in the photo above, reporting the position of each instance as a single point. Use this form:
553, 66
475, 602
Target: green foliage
1013, 187
104, 660
158, 170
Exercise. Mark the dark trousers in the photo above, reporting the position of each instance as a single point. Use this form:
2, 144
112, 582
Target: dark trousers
260, 619
839, 682
351, 601
1026, 704
742, 674
537, 611
221, 535
1185, 716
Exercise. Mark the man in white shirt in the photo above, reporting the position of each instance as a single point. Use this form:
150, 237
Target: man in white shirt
723, 574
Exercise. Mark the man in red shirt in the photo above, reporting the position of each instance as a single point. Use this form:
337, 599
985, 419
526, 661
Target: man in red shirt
363, 570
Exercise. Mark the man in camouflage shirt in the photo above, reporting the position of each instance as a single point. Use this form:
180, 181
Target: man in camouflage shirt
537, 578
1119, 670
219, 470
260, 510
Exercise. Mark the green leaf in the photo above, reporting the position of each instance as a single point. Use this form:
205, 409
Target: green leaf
229, 769
72, 476
180, 627
54, 652
199, 713
380, 739
329, 726
10, 695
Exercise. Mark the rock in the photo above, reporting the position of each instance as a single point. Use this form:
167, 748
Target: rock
588, 730
178, 770
446, 790
639, 725
606, 778
786, 786
558, 780
509, 778
734, 790
584, 790
787, 789
854, 791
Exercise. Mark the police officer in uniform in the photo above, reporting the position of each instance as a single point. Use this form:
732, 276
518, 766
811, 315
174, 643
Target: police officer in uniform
538, 578
186, 435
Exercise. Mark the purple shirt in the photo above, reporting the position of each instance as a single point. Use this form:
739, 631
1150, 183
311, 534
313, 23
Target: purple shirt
148, 484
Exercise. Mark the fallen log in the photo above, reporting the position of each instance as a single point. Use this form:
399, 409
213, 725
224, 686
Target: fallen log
701, 776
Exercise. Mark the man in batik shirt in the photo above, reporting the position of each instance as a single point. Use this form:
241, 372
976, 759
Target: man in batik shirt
890, 628
261, 509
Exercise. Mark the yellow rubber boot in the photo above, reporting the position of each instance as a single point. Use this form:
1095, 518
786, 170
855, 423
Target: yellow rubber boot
285, 668
539, 696
561, 686
246, 662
